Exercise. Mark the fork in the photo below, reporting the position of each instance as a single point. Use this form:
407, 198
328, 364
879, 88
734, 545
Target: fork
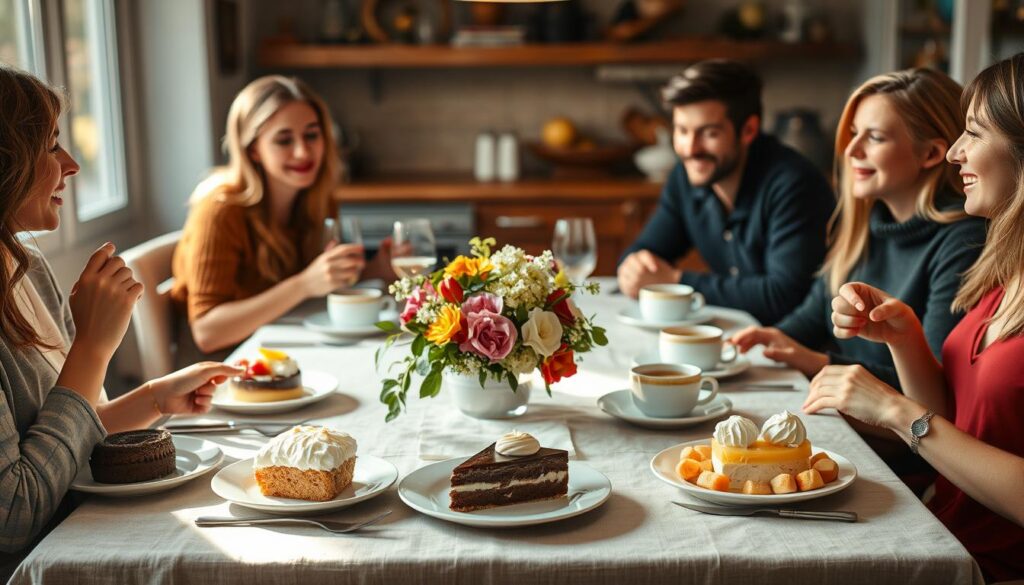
270, 429
333, 526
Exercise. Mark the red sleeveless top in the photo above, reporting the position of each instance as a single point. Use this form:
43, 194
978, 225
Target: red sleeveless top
988, 390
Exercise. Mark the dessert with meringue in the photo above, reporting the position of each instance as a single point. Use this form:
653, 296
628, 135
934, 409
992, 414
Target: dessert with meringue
306, 463
775, 459
513, 470
272, 377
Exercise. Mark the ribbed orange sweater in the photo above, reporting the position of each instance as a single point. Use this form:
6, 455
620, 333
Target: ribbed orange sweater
215, 261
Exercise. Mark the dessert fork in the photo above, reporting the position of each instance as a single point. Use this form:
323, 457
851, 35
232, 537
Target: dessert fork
333, 526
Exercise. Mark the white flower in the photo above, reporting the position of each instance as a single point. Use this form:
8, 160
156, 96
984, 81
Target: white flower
542, 332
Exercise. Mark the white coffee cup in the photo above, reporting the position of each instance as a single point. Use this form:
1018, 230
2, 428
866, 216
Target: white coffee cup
669, 302
669, 390
700, 345
354, 307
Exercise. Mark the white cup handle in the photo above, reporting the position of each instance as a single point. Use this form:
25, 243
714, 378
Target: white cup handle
388, 304
729, 353
714, 389
697, 302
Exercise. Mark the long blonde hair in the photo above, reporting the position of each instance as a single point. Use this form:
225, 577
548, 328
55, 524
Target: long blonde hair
242, 181
999, 92
29, 109
928, 102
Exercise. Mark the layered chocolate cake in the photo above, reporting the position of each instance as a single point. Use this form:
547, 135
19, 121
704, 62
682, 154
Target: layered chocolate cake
513, 470
272, 377
133, 456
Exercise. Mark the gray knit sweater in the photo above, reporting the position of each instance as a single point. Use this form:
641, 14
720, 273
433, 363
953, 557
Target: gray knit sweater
46, 432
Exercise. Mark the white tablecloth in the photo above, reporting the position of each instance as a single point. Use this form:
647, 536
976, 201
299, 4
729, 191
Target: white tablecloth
638, 536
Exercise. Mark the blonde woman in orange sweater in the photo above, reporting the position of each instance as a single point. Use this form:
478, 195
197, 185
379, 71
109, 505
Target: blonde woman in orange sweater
252, 245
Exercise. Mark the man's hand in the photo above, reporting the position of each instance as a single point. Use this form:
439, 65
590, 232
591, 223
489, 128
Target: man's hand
642, 268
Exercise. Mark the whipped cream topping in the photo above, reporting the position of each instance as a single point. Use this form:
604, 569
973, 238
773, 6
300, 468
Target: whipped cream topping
285, 367
516, 444
307, 447
784, 428
736, 431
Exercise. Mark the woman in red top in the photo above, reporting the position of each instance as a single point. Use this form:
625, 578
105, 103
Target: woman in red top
976, 438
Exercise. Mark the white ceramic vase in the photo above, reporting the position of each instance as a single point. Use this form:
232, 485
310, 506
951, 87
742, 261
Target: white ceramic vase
495, 400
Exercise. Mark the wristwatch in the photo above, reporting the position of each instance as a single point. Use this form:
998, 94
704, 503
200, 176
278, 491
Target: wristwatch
918, 429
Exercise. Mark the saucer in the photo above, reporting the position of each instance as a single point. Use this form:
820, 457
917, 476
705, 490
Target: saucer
631, 316
321, 323
317, 386
723, 370
620, 405
193, 457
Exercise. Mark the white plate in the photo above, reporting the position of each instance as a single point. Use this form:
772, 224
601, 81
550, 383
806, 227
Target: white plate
631, 316
321, 322
426, 490
318, 385
724, 370
664, 468
620, 405
236, 484
194, 457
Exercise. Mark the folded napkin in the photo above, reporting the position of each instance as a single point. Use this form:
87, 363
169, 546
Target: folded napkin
446, 433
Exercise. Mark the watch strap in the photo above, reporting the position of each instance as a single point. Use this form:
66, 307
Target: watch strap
915, 437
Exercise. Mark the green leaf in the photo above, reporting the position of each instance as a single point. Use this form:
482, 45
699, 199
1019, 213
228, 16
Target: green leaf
436, 353
418, 345
599, 335
482, 375
547, 388
386, 325
512, 381
431, 385
383, 349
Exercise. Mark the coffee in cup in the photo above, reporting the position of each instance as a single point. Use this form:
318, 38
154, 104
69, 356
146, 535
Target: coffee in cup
700, 345
355, 307
669, 390
669, 302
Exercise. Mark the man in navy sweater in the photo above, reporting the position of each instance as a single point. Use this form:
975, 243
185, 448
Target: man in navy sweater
755, 209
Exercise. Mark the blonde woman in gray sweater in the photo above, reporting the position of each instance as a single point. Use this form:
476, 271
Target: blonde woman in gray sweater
54, 351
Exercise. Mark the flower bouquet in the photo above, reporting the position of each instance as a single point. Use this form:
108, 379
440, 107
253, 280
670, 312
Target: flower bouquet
492, 316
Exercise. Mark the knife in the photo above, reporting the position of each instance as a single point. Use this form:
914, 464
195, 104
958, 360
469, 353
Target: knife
738, 511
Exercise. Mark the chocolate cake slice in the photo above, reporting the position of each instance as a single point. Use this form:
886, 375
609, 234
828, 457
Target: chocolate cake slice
133, 456
489, 479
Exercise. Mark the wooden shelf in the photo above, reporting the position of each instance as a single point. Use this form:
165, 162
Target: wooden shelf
463, 188
303, 56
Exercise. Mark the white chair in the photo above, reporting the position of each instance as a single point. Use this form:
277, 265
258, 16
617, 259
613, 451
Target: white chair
153, 317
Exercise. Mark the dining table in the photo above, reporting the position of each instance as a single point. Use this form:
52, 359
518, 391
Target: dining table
638, 535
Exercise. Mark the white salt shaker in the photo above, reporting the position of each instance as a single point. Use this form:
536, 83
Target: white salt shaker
483, 164
508, 157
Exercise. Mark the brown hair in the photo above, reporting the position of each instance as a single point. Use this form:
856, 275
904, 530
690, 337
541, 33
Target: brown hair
731, 82
29, 109
998, 92
928, 103
243, 183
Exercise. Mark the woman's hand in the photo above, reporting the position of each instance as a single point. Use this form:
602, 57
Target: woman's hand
190, 390
102, 301
864, 311
853, 391
380, 266
337, 267
780, 347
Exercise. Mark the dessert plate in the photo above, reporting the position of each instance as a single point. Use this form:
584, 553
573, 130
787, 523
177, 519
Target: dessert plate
620, 405
235, 483
426, 490
194, 457
664, 468
723, 370
321, 323
631, 316
318, 385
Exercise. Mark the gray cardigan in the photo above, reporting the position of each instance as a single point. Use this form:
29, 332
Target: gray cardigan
46, 432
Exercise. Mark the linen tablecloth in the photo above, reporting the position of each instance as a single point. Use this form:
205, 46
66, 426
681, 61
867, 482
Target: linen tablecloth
637, 536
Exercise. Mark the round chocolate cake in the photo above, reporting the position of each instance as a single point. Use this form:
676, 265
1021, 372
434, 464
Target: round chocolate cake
133, 456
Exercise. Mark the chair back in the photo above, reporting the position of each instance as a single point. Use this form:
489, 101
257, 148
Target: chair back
153, 317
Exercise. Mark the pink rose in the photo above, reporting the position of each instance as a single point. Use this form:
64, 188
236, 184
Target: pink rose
489, 335
481, 302
416, 300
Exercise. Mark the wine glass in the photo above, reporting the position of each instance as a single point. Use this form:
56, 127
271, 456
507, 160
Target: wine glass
575, 247
415, 250
331, 232
346, 230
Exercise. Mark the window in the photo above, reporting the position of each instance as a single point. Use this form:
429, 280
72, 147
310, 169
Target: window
17, 35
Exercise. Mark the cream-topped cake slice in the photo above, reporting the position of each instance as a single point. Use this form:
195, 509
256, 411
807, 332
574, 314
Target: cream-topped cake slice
741, 452
306, 463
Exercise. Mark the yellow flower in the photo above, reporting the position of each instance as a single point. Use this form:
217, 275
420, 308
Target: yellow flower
447, 325
561, 280
463, 266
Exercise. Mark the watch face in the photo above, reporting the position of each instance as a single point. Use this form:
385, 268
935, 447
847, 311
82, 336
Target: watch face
919, 427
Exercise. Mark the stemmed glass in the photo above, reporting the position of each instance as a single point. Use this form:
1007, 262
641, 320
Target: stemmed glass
575, 247
415, 250
347, 230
